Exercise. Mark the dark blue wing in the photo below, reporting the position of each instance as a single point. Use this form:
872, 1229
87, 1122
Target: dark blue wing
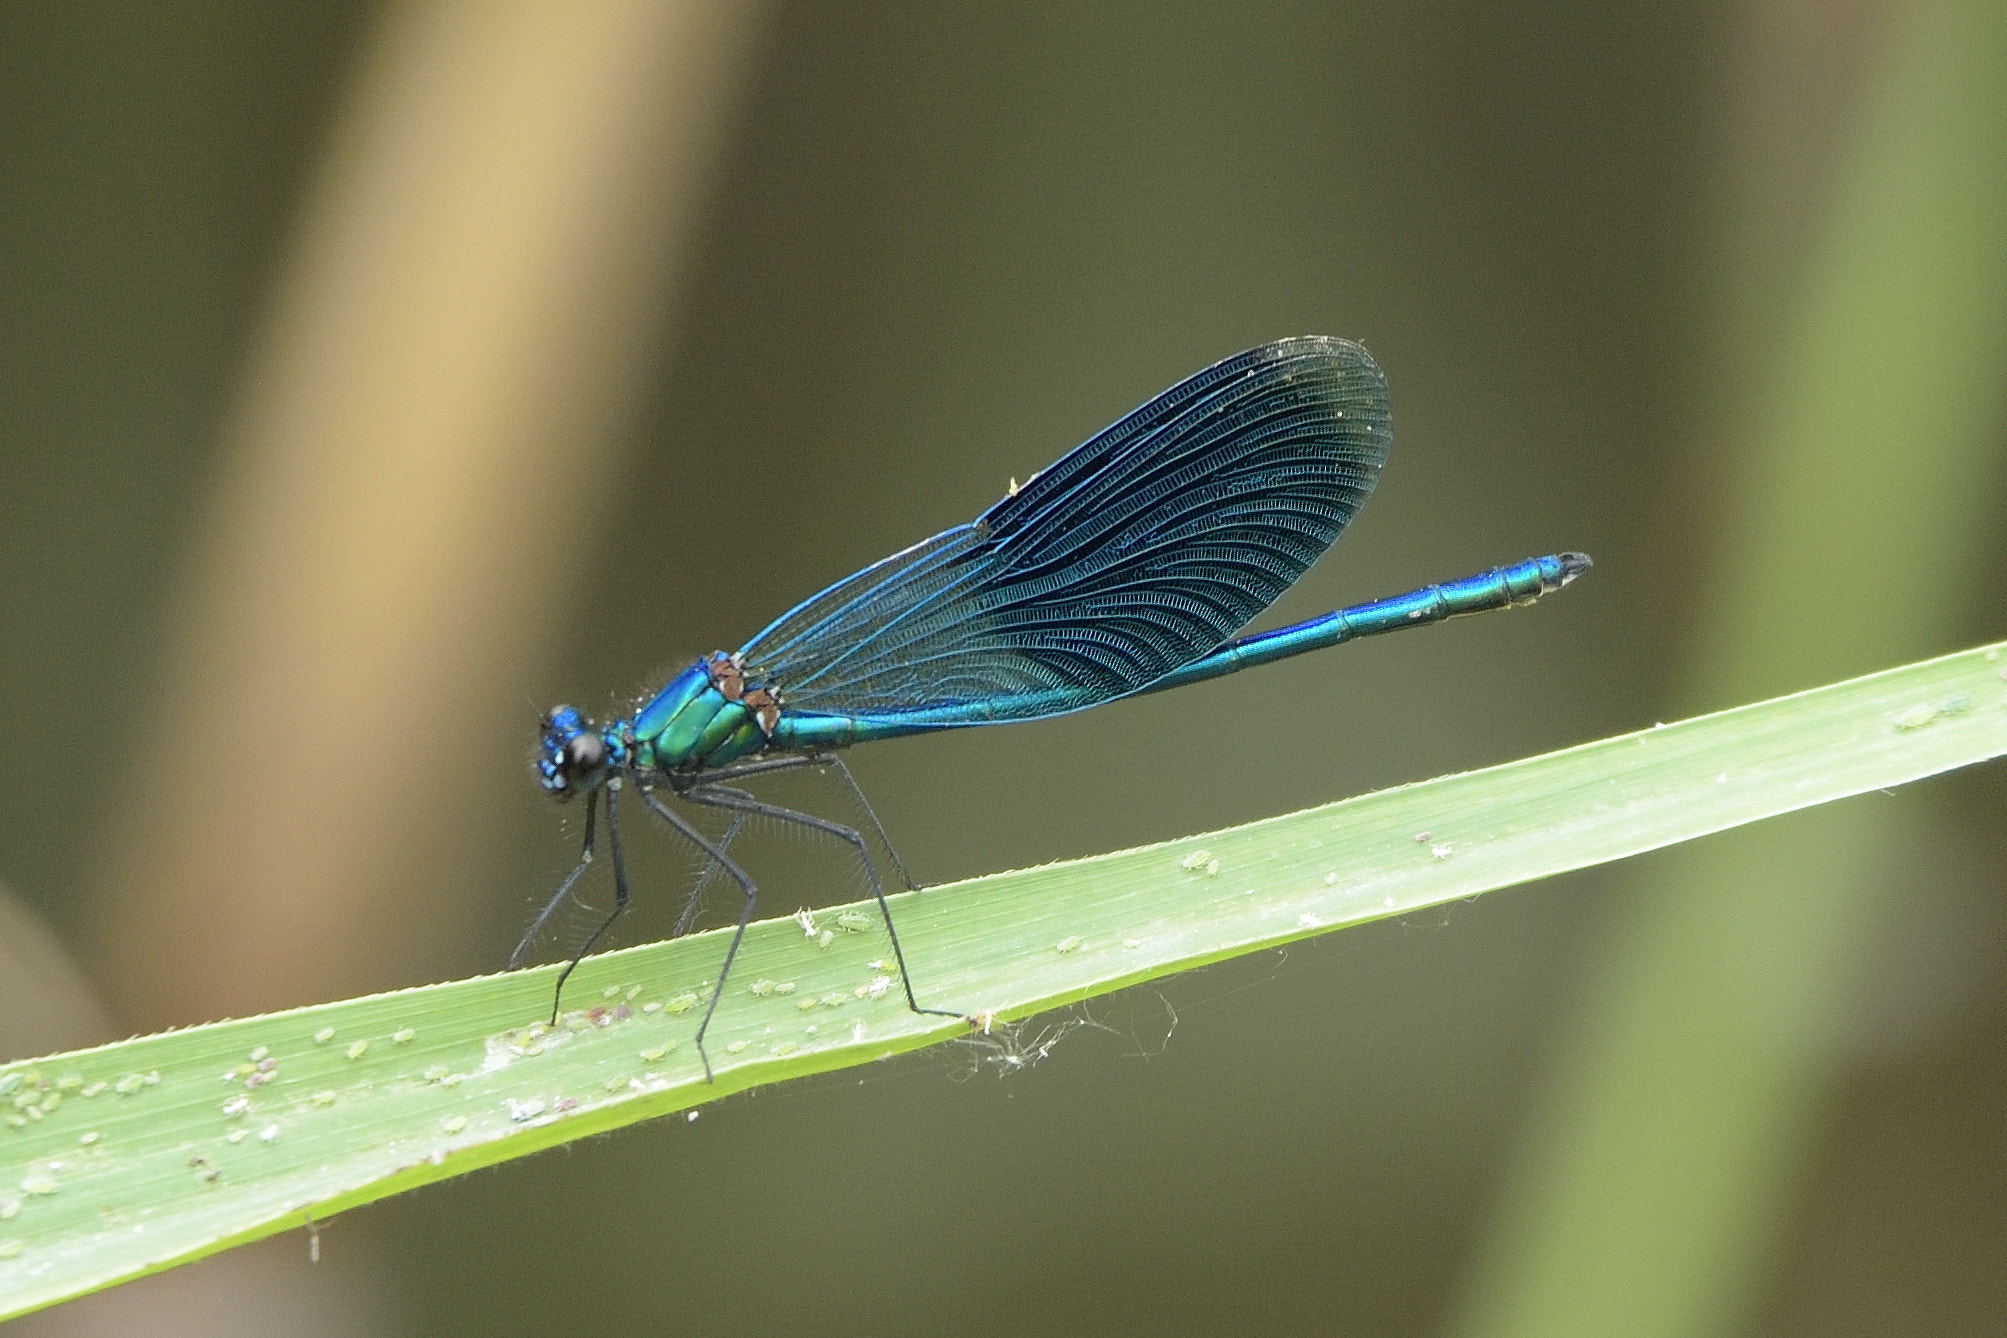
1140, 551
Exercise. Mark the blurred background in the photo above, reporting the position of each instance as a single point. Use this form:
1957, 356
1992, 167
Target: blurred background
376, 375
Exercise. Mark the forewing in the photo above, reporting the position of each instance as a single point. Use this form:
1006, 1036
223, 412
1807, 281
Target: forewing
1139, 551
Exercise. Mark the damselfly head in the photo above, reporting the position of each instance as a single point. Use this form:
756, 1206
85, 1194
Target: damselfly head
571, 757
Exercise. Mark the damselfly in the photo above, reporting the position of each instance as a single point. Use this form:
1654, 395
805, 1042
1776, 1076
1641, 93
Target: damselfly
1127, 567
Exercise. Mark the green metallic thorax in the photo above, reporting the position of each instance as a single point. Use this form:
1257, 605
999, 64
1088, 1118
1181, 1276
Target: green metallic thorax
703, 718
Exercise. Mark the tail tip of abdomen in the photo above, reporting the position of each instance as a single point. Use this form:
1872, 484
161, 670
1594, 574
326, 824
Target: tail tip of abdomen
1572, 565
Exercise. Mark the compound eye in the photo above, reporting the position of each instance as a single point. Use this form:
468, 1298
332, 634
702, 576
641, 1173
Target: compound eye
584, 753
571, 755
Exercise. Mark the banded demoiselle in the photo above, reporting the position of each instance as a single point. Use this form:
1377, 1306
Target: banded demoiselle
1125, 568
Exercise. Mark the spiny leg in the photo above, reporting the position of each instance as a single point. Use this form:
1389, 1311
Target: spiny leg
564, 888
831, 759
696, 898
619, 889
746, 885
719, 796
758, 766
820, 761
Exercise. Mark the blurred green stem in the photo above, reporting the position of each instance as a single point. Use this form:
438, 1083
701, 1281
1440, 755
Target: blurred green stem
1665, 1152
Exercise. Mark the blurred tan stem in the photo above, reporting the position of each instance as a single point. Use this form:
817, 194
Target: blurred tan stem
420, 445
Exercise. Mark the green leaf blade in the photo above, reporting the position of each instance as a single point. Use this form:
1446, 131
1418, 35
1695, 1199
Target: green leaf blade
193, 1141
